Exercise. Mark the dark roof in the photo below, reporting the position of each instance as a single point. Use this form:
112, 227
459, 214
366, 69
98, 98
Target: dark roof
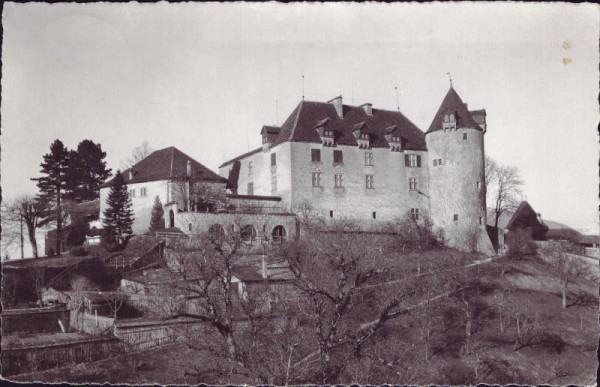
241, 157
508, 219
452, 102
300, 125
270, 129
166, 164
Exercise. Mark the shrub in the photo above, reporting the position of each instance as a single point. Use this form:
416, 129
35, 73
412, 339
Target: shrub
457, 372
552, 342
520, 244
79, 251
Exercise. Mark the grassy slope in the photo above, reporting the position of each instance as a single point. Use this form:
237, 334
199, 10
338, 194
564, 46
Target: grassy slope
534, 284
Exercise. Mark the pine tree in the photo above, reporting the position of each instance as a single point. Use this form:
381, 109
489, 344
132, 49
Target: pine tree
118, 216
87, 170
157, 220
53, 184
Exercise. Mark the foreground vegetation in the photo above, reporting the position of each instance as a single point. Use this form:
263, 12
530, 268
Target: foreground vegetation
460, 321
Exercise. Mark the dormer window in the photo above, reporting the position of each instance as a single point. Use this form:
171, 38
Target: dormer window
325, 133
361, 134
449, 121
269, 135
392, 136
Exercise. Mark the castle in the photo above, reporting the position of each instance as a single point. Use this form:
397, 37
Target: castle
343, 161
375, 166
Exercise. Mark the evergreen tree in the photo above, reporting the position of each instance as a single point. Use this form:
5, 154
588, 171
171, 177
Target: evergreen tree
118, 216
52, 185
87, 170
157, 220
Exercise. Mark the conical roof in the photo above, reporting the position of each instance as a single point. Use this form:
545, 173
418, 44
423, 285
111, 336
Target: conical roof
453, 103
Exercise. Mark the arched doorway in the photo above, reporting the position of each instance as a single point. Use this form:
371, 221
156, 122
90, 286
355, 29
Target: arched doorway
171, 219
249, 233
216, 231
279, 234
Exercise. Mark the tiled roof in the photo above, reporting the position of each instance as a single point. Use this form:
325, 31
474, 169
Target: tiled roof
165, 164
452, 102
90, 208
300, 125
241, 157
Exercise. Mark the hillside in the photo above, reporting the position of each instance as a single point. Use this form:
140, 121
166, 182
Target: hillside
556, 345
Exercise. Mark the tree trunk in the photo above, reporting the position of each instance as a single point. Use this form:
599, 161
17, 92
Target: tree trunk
418, 266
32, 241
58, 222
564, 297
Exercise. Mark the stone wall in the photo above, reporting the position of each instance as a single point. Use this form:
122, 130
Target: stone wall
34, 320
90, 323
389, 198
198, 222
33, 359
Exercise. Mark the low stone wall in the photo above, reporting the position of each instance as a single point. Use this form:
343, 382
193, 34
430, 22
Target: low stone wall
33, 359
89, 323
34, 320
144, 336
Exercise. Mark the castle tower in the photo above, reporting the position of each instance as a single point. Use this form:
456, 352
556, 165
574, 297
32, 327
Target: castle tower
457, 175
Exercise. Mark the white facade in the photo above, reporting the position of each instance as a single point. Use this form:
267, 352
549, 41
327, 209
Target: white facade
142, 197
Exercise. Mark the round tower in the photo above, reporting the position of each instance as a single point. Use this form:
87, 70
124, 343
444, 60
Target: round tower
456, 156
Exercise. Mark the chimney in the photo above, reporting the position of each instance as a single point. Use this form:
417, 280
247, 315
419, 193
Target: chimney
337, 103
368, 107
189, 168
539, 218
130, 174
466, 106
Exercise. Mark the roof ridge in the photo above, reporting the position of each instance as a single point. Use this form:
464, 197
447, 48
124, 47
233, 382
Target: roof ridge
300, 105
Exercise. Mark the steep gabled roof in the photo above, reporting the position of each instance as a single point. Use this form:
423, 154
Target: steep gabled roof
166, 164
452, 102
270, 129
300, 125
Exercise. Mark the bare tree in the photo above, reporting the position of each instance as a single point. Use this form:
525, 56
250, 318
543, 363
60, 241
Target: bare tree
137, 154
39, 279
413, 234
333, 271
503, 187
115, 301
23, 211
569, 268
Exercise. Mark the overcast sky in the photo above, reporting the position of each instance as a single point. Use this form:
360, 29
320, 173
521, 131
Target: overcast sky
206, 77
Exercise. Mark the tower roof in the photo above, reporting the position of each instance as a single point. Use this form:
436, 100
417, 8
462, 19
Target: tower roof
453, 103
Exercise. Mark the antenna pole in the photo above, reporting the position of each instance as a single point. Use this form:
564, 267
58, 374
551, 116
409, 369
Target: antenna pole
450, 76
397, 98
303, 87
352, 86
276, 114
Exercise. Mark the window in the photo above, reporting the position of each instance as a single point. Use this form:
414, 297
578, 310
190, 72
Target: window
274, 183
364, 136
374, 215
190, 227
316, 179
338, 180
273, 159
368, 158
478, 184
369, 181
249, 168
132, 193
412, 161
456, 217
315, 155
439, 161
481, 220
331, 214
414, 213
464, 136
250, 189
435, 162
143, 192
413, 183
328, 133
338, 157
265, 139
395, 138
